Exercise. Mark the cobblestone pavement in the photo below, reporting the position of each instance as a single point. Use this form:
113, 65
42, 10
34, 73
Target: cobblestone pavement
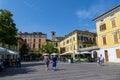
65, 71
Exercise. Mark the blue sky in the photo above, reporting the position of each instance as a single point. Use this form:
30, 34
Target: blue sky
61, 16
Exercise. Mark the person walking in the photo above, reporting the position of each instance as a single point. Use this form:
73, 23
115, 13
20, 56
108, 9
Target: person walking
101, 60
54, 63
47, 62
98, 60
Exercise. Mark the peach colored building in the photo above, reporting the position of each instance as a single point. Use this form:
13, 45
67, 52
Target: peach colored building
34, 40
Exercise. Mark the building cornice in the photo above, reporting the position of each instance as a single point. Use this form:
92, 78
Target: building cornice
108, 13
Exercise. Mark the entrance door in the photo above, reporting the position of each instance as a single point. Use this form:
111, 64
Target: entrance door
106, 56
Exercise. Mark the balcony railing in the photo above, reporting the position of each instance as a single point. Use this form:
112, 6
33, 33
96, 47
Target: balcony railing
89, 48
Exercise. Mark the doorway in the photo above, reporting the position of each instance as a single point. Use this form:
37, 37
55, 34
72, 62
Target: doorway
106, 56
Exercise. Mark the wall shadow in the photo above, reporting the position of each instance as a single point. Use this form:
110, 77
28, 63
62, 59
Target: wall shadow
26, 67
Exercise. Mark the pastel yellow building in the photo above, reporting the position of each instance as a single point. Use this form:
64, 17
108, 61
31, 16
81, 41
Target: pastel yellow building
108, 34
75, 40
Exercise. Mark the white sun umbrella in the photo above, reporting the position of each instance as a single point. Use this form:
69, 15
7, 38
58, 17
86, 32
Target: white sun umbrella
45, 54
2, 50
10, 51
54, 54
12, 54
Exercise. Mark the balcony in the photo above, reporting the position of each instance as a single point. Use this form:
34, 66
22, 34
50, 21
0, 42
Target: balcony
89, 48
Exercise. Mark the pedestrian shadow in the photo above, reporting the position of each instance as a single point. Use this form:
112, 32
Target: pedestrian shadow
32, 64
16, 71
59, 69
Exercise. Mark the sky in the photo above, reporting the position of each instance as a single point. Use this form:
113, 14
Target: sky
61, 16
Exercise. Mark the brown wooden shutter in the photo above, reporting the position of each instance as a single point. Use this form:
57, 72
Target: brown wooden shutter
115, 38
104, 40
118, 53
113, 23
104, 26
100, 27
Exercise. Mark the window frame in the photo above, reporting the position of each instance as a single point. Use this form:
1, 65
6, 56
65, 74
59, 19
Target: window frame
115, 33
112, 23
105, 40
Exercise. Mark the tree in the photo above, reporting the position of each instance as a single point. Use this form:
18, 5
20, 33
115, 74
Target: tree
49, 48
24, 50
8, 31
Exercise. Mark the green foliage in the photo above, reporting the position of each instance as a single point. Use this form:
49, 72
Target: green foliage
8, 31
49, 48
24, 49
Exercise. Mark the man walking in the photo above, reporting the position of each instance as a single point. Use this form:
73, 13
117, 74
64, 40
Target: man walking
54, 63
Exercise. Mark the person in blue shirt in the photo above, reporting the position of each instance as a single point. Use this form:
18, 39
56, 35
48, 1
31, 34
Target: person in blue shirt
54, 63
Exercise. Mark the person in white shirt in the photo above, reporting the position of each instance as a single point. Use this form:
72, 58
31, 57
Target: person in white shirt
101, 59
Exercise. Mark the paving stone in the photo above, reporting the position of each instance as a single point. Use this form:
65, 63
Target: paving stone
64, 71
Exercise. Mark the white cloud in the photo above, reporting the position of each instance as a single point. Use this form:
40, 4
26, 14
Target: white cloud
90, 12
28, 3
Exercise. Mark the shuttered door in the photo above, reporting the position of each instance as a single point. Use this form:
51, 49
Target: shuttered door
106, 56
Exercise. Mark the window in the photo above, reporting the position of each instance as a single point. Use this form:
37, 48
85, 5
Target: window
81, 38
90, 40
39, 40
104, 40
67, 41
56, 44
39, 45
115, 37
113, 23
118, 53
73, 38
34, 40
85, 38
103, 27
53, 33
33, 45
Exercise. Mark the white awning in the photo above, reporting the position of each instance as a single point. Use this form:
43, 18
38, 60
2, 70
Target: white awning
66, 53
12, 52
85, 52
77, 53
2, 49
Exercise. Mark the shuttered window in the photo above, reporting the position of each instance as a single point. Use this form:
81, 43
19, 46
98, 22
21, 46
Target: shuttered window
104, 40
115, 37
113, 23
118, 53
103, 27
